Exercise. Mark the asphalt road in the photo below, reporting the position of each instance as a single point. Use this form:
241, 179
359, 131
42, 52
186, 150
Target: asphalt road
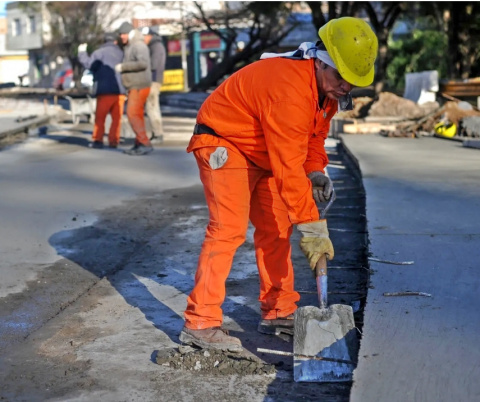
99, 254
423, 209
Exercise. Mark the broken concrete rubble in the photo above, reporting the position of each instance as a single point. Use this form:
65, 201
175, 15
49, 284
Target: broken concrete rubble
394, 116
209, 361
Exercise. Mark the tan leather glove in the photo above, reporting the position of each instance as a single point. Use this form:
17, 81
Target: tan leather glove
315, 241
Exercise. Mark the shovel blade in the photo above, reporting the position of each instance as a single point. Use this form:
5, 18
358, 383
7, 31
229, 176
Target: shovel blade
324, 344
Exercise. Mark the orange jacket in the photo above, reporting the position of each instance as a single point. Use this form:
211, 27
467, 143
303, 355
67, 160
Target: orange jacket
269, 110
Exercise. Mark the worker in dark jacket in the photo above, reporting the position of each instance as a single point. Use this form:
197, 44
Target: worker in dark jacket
136, 77
158, 57
109, 91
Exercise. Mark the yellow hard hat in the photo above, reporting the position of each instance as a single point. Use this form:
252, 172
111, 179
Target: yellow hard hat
445, 129
353, 47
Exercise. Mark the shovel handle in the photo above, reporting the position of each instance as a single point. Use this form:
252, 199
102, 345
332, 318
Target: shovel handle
321, 278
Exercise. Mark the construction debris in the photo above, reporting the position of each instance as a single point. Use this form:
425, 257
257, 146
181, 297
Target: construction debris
408, 293
367, 128
393, 116
391, 105
471, 126
391, 262
207, 361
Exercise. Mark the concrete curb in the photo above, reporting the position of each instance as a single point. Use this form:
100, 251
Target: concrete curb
23, 127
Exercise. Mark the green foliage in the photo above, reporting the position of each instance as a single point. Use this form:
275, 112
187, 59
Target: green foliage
418, 51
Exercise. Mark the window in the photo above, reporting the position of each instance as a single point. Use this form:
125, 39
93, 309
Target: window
16, 27
32, 27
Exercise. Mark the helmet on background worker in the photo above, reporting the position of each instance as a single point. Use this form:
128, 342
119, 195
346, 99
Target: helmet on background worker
353, 47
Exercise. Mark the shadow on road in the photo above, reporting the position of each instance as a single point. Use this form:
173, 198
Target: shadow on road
148, 250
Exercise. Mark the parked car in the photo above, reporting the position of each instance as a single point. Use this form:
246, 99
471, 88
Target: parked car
63, 79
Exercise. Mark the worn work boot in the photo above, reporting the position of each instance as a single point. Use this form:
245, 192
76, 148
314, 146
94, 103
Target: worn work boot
214, 338
139, 149
156, 139
277, 326
96, 145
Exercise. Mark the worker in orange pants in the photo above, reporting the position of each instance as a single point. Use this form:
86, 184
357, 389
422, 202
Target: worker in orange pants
113, 105
109, 89
259, 143
136, 115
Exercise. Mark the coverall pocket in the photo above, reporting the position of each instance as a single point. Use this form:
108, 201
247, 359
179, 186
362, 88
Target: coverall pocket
218, 158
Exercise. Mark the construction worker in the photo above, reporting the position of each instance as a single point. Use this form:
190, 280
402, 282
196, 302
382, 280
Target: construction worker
136, 77
158, 57
108, 88
259, 146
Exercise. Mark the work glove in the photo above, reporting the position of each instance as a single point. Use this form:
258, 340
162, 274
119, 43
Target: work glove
82, 48
322, 186
315, 241
118, 68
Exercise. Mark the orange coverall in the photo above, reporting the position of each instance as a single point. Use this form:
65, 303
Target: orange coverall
136, 115
106, 104
267, 116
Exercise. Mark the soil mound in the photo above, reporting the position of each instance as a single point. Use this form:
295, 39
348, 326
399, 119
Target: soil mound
212, 361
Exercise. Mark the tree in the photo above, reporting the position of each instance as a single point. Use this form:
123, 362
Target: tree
423, 48
461, 22
266, 24
74, 22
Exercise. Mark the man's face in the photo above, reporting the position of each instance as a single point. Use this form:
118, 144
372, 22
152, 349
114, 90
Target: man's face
147, 39
329, 81
124, 38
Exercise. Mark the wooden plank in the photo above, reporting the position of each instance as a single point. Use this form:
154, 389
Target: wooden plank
367, 128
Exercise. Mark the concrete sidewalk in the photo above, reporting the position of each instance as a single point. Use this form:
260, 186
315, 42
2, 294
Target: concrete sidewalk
423, 210
26, 116
20, 115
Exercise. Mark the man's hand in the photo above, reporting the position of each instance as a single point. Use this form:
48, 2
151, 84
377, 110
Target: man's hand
315, 241
82, 48
118, 68
322, 186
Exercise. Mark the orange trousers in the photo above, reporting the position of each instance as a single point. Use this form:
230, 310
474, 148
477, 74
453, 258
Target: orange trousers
106, 104
235, 193
135, 113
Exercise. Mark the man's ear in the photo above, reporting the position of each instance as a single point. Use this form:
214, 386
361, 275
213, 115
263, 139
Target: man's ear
318, 64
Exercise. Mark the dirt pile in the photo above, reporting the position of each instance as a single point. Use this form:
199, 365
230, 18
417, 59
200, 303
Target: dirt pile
391, 105
387, 105
212, 361
361, 107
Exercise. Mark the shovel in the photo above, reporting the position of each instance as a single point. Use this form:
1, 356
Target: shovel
324, 341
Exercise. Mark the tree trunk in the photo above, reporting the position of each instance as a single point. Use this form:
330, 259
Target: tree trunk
382, 61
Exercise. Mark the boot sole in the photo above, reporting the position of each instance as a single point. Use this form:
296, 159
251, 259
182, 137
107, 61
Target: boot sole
274, 330
276, 326
191, 340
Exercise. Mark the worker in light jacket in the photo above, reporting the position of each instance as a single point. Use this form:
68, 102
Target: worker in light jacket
137, 78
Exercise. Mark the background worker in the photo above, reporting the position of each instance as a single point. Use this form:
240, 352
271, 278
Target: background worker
259, 137
158, 57
108, 89
136, 77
